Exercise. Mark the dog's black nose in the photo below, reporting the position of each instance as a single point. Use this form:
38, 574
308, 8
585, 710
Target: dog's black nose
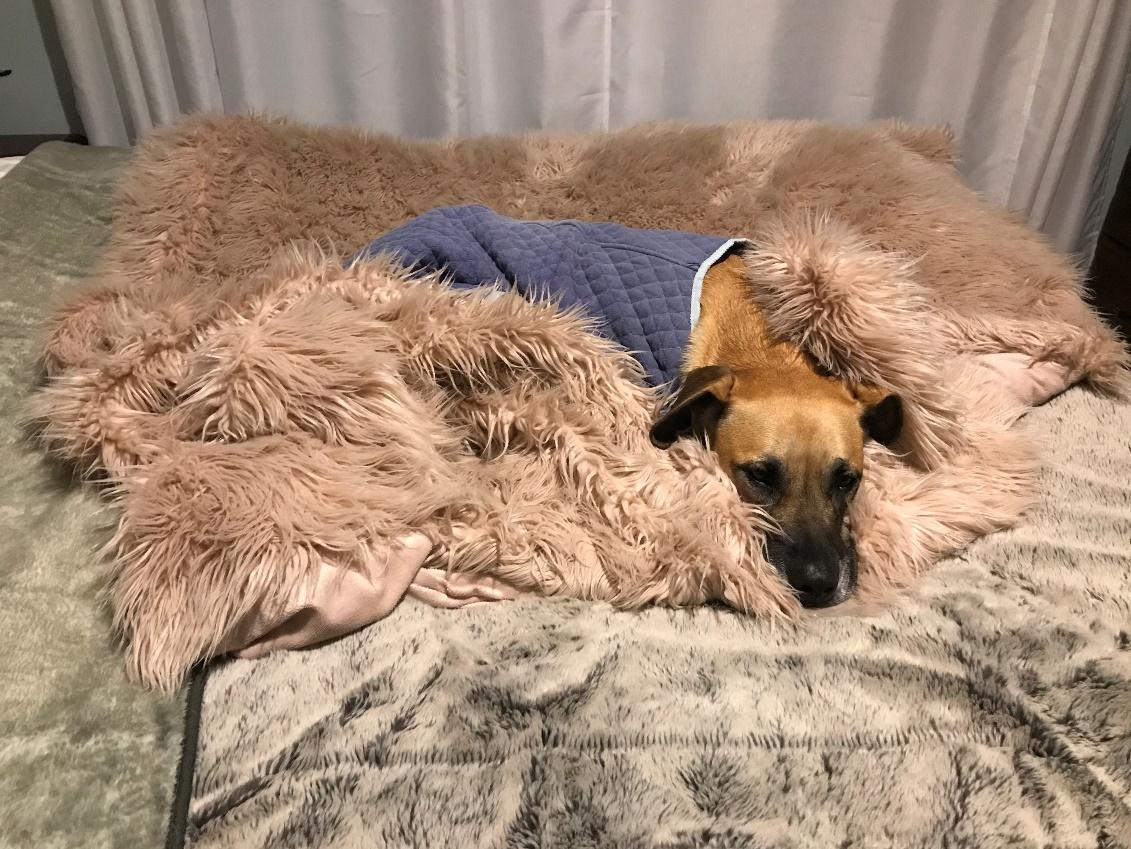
820, 566
816, 583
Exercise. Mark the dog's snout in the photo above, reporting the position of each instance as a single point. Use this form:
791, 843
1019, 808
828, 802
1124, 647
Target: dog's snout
821, 568
816, 583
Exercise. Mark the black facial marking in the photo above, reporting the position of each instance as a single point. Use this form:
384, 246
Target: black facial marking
843, 479
819, 563
763, 480
696, 410
884, 421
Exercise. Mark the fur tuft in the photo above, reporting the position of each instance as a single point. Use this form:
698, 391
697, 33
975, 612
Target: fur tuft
860, 314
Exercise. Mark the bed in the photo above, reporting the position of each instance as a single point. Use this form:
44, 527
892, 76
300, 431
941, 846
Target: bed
991, 706
88, 759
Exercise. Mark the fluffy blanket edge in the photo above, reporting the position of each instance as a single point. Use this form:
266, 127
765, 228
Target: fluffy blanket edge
234, 487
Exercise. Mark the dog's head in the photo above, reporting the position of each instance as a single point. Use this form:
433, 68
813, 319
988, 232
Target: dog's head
793, 443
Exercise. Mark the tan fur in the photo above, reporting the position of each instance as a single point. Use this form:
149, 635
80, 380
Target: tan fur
779, 405
732, 328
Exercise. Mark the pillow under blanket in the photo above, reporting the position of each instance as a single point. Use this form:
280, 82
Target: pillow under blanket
266, 417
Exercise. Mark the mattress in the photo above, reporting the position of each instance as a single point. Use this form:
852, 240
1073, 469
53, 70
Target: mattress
988, 707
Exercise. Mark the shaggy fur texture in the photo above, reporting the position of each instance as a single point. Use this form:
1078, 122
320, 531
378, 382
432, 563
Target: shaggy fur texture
258, 409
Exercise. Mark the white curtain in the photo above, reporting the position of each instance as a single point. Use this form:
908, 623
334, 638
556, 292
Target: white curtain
1031, 87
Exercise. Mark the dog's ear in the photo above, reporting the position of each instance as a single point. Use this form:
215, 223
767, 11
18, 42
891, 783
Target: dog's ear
881, 413
697, 407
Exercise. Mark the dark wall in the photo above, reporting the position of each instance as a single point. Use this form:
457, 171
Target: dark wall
36, 95
1111, 268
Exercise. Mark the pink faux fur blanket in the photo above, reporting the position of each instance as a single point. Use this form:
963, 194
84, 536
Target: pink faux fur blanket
275, 427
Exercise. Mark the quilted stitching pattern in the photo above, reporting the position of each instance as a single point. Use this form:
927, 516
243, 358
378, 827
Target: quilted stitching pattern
635, 283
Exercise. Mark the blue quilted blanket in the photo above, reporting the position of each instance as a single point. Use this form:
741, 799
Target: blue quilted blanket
641, 286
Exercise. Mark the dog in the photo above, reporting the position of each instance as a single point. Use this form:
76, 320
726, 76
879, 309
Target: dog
789, 437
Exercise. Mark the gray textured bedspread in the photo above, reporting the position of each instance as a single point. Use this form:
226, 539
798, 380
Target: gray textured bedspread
990, 708
86, 758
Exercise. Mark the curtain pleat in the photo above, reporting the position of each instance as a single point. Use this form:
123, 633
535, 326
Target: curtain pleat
1030, 87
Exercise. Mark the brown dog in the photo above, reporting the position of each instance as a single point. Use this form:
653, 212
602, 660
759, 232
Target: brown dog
791, 439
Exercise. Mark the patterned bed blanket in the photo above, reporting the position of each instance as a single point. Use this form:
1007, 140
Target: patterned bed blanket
989, 708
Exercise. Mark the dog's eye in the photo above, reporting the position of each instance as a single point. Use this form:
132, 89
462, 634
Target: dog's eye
845, 478
764, 476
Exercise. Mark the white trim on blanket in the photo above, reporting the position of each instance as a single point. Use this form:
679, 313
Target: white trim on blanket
697, 286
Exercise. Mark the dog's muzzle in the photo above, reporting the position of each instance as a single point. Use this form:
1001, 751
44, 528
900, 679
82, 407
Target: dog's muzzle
820, 566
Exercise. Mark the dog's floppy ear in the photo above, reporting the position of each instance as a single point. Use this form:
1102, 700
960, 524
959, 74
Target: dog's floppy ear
881, 413
700, 402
